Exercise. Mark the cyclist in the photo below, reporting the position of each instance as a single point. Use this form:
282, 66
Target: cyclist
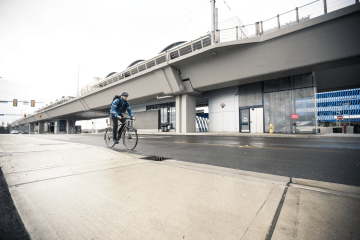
119, 106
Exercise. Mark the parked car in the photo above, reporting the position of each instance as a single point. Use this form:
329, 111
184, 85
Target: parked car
14, 132
24, 133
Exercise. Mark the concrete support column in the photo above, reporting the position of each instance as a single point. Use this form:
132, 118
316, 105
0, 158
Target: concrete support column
110, 119
56, 126
46, 127
185, 113
31, 127
70, 126
41, 127
178, 113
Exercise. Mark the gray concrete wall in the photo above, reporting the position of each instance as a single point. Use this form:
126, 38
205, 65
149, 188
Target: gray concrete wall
224, 119
251, 95
147, 120
328, 80
160, 82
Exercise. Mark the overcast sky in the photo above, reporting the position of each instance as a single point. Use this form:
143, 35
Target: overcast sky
42, 42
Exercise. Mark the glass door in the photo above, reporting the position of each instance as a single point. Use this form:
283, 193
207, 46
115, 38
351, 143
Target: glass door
244, 120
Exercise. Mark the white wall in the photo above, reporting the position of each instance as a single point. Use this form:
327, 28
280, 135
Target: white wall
224, 119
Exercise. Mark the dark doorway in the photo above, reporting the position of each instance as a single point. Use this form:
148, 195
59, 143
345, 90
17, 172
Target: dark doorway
245, 120
52, 127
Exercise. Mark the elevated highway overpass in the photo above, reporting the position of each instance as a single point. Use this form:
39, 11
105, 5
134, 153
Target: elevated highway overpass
326, 46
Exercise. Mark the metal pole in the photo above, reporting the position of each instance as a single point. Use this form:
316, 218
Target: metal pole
325, 7
349, 111
278, 18
315, 99
297, 14
262, 29
212, 3
78, 81
257, 29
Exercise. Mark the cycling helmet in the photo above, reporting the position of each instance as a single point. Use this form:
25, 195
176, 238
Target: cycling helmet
124, 94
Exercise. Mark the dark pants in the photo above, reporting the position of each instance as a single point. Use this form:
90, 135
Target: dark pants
116, 124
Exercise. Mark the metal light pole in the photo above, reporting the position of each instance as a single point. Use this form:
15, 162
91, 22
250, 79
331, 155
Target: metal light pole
78, 81
212, 4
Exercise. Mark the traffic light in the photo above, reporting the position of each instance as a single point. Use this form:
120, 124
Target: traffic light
32, 103
24, 115
15, 103
39, 115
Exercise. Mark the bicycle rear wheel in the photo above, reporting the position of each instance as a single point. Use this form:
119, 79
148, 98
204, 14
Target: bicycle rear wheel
129, 137
108, 137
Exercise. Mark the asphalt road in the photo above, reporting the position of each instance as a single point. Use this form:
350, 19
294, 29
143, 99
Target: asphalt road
334, 160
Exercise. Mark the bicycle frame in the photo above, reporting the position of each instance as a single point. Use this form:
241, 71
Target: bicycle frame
123, 129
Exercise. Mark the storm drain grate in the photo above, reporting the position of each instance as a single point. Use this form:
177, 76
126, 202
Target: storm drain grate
155, 158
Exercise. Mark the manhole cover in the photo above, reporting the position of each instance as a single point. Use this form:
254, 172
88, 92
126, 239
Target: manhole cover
155, 158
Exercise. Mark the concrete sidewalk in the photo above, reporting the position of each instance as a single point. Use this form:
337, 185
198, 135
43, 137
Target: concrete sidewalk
76, 191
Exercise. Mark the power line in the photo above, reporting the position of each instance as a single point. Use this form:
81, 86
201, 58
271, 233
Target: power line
174, 28
166, 25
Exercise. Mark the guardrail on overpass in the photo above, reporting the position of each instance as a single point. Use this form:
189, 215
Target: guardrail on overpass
280, 21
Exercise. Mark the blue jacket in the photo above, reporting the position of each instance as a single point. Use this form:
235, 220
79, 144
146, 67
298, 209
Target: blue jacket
118, 106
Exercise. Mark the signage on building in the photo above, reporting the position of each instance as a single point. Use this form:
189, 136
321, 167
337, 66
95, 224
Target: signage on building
294, 116
340, 117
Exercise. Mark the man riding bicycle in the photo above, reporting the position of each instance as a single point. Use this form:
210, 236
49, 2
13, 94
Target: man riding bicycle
119, 106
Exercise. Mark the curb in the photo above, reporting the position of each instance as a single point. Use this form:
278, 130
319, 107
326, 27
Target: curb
352, 136
237, 173
326, 187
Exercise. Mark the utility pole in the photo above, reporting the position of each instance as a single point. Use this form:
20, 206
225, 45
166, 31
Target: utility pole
212, 3
78, 81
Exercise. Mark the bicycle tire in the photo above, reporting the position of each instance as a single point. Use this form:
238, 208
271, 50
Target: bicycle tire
108, 137
129, 137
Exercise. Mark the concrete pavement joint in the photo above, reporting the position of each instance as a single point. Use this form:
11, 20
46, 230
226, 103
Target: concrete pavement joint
70, 175
277, 214
57, 166
12, 153
257, 213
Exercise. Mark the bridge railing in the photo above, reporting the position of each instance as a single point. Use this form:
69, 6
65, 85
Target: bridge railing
280, 21
181, 50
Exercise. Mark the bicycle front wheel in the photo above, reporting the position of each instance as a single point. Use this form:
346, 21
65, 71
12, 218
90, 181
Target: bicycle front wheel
108, 137
129, 137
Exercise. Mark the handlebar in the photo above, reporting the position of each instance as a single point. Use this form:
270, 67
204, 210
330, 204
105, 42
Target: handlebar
127, 118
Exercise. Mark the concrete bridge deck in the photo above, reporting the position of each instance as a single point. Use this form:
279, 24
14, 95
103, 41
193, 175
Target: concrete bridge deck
75, 191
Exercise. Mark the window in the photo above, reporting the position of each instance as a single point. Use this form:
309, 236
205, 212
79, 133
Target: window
167, 112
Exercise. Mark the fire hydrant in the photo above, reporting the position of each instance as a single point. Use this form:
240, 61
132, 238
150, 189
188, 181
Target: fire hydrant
271, 127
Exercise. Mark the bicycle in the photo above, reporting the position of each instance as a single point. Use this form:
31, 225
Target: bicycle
128, 135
